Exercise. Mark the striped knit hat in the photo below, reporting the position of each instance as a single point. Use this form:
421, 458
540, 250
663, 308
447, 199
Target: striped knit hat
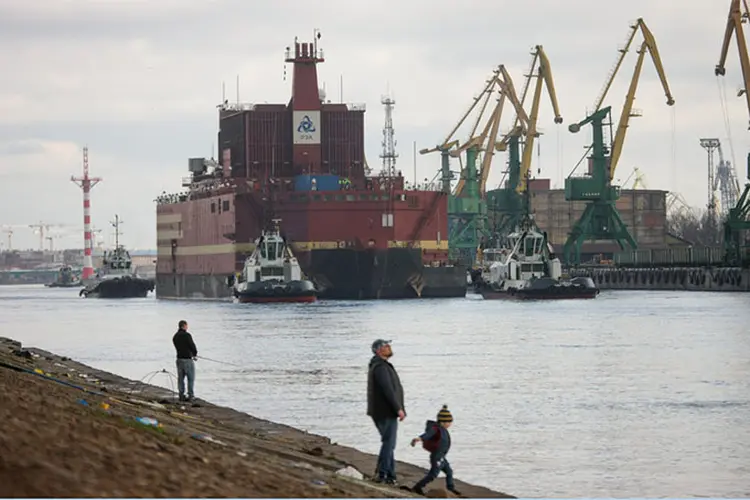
444, 415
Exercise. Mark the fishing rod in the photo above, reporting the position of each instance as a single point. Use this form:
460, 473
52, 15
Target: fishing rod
217, 361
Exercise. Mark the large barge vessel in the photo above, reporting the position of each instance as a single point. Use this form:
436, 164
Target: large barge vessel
356, 236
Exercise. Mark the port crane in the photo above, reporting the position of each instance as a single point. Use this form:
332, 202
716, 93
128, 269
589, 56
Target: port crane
42, 228
600, 219
466, 207
737, 223
507, 202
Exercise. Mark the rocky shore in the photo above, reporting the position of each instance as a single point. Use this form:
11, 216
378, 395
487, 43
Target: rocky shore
69, 430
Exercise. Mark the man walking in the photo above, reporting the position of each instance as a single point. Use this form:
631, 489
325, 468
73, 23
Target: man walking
385, 405
186, 355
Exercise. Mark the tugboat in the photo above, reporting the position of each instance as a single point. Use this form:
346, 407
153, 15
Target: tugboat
116, 278
272, 273
528, 269
66, 278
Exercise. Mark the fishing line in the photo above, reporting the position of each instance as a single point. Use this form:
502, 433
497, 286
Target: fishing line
217, 361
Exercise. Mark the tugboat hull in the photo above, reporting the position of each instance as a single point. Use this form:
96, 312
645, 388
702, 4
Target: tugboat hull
265, 292
119, 288
538, 295
544, 289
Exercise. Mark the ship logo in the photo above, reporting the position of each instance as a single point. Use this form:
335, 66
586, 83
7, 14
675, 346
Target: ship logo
306, 125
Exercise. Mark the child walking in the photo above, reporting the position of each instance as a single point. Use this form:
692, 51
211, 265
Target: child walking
437, 440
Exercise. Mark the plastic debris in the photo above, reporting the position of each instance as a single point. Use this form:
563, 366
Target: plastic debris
148, 421
319, 483
351, 472
83, 402
104, 406
207, 438
242, 454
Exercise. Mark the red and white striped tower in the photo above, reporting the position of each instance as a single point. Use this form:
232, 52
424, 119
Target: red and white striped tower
86, 183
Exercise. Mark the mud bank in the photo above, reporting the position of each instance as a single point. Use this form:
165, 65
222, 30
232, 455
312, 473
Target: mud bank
69, 430
705, 279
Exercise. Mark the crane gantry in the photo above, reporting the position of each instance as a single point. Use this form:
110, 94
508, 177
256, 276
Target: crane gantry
738, 222
601, 220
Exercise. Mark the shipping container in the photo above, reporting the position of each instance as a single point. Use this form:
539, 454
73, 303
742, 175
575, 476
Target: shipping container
342, 141
323, 182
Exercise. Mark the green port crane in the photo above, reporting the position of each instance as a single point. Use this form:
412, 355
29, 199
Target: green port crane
600, 219
736, 247
507, 203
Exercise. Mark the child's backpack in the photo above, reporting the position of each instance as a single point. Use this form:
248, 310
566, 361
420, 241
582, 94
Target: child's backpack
433, 443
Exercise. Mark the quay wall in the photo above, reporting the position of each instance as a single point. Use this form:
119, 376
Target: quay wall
707, 279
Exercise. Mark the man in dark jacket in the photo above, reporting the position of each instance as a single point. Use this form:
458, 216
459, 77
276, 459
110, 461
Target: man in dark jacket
186, 355
385, 405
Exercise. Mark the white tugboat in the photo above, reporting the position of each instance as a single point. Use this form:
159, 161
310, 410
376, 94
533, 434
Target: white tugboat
529, 270
116, 278
272, 273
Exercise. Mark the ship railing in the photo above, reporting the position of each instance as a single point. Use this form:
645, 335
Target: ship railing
423, 186
360, 106
236, 106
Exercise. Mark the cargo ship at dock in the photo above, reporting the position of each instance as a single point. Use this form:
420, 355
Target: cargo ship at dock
357, 236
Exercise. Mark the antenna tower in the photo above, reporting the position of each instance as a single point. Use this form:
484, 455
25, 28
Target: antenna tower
86, 183
389, 154
710, 146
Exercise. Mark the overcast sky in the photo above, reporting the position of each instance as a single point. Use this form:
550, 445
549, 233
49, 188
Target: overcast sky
138, 83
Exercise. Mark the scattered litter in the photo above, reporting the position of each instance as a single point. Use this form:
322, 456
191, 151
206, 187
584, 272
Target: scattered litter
83, 375
319, 483
104, 406
148, 421
39, 371
60, 365
351, 472
302, 465
83, 402
242, 454
207, 438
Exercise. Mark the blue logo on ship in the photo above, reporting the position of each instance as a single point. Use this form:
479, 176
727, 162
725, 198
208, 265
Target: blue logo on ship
306, 125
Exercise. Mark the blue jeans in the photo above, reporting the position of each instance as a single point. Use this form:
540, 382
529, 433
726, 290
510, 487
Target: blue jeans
185, 369
437, 466
387, 428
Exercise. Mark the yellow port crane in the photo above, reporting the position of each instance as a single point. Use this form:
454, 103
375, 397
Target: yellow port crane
506, 203
503, 84
600, 219
738, 222
543, 75
451, 142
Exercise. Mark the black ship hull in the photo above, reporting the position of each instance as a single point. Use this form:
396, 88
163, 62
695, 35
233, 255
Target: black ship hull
119, 288
270, 291
342, 274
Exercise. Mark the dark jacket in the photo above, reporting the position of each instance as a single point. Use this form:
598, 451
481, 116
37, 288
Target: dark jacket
183, 343
385, 396
444, 445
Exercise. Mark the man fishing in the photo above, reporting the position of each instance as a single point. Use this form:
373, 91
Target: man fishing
187, 353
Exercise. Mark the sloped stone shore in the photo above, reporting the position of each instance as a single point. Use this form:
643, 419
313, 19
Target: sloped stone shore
69, 430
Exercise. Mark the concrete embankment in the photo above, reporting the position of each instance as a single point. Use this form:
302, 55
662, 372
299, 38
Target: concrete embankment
67, 429
716, 279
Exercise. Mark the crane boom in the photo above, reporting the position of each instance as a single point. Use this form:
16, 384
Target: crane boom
544, 75
734, 26
649, 44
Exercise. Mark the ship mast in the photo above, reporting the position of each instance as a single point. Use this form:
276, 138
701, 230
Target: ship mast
389, 154
116, 224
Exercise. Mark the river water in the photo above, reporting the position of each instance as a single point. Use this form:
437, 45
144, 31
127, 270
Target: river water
631, 394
